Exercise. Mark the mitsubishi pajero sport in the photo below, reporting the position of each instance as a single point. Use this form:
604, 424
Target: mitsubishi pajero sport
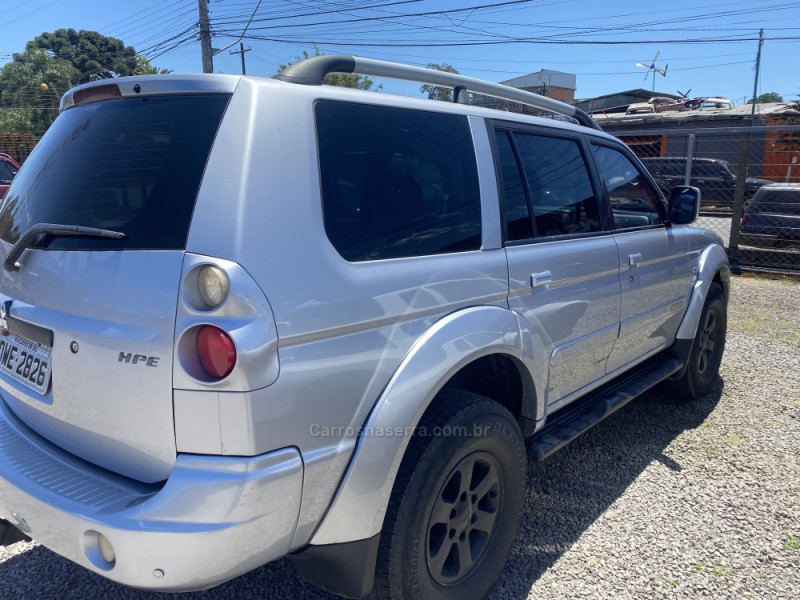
247, 318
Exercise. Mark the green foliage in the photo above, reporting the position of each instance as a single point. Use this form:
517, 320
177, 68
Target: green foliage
94, 55
767, 97
30, 90
31, 85
350, 80
17, 120
144, 67
435, 92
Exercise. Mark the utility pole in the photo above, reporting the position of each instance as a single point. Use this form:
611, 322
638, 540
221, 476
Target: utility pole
205, 36
241, 51
755, 83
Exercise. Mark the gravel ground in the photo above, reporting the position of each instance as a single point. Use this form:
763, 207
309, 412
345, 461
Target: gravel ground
662, 500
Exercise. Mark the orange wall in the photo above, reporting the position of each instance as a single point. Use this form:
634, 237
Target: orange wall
778, 153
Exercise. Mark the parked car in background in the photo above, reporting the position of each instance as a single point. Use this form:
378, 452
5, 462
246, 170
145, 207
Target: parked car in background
772, 218
717, 102
712, 176
8, 170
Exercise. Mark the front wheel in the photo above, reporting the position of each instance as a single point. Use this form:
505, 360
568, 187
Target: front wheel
709, 344
456, 504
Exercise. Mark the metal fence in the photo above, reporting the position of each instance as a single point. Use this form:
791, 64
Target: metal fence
730, 165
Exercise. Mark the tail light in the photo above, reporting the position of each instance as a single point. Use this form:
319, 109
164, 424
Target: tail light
226, 337
216, 351
97, 93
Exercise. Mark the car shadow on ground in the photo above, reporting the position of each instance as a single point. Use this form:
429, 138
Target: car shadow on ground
566, 494
572, 489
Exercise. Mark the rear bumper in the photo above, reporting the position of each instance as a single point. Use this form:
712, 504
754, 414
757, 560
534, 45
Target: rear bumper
213, 519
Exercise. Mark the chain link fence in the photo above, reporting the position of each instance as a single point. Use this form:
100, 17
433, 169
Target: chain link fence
731, 165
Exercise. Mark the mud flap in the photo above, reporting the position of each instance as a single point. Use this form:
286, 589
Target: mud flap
10, 534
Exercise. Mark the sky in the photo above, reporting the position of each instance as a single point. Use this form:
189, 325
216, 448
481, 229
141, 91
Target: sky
707, 46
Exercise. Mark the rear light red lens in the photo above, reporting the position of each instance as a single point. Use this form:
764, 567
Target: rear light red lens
216, 351
97, 93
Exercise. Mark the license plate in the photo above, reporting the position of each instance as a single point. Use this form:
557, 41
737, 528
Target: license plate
25, 361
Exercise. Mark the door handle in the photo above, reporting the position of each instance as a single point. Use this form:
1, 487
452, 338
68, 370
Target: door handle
540, 279
634, 259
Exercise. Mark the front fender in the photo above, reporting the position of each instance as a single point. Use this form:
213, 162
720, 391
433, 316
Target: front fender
712, 260
358, 509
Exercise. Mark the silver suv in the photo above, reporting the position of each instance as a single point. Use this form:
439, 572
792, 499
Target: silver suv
247, 318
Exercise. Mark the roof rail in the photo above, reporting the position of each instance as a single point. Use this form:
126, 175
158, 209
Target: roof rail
312, 71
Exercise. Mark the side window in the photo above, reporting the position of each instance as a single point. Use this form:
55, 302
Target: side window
515, 203
633, 202
561, 192
6, 171
396, 182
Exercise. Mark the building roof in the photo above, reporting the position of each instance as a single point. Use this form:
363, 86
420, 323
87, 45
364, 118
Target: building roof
545, 76
743, 111
635, 93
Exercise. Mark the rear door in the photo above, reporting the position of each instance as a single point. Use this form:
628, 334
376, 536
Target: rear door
87, 361
562, 265
654, 267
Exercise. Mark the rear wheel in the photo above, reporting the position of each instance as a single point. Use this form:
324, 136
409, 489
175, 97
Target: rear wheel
454, 511
706, 355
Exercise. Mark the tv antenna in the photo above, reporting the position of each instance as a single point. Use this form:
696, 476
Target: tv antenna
652, 67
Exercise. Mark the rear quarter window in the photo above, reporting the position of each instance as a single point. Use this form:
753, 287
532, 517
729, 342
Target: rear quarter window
396, 182
130, 165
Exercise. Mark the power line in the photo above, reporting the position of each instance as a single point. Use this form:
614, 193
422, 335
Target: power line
557, 42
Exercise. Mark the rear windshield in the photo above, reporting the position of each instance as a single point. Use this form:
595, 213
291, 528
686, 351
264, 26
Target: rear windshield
131, 165
785, 202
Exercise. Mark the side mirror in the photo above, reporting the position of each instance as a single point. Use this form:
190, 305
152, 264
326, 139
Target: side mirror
684, 205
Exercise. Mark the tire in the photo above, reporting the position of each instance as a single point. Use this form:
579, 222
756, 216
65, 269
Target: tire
456, 504
707, 349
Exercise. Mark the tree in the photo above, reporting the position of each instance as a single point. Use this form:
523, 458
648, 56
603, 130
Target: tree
17, 120
93, 55
767, 97
350, 80
144, 67
32, 85
435, 92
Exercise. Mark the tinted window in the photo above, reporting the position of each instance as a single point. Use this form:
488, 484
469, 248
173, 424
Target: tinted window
561, 192
674, 169
515, 203
670, 168
397, 183
6, 171
130, 165
633, 202
784, 202
705, 170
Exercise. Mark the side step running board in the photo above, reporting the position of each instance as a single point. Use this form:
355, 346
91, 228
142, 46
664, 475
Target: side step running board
577, 418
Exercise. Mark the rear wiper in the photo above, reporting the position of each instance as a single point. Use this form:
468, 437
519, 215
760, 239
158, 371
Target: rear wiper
32, 234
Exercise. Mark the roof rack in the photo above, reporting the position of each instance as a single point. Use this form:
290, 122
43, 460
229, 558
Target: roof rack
312, 71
